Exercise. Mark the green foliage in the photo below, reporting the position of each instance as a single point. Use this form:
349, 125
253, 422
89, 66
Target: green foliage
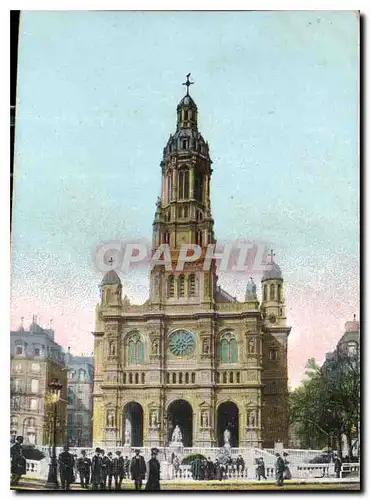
326, 404
193, 456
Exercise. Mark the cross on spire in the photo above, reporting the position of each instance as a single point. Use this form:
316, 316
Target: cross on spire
188, 83
272, 255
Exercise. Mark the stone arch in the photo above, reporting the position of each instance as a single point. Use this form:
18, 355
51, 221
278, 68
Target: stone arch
133, 423
228, 418
180, 412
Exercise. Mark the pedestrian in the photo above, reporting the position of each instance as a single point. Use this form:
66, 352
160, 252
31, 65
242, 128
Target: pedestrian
279, 470
219, 470
240, 464
109, 469
138, 469
337, 465
118, 467
105, 461
96, 470
75, 470
287, 473
18, 462
83, 467
152, 483
261, 472
209, 469
126, 468
66, 468
176, 465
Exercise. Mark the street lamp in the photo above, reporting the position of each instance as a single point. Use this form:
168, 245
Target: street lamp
55, 389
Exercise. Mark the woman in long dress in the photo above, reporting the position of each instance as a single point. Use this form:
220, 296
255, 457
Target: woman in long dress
152, 483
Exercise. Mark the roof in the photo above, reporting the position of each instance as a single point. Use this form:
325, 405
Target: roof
186, 101
111, 278
272, 271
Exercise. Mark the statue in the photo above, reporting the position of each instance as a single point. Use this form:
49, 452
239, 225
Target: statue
251, 419
205, 419
110, 420
251, 346
177, 435
155, 347
127, 437
205, 346
158, 202
227, 436
153, 419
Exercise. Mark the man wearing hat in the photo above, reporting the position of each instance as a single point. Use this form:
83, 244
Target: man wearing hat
109, 469
118, 470
83, 467
96, 470
138, 469
154, 472
279, 470
66, 468
287, 473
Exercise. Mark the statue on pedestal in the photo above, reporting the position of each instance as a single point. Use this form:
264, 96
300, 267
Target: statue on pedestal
227, 436
177, 435
127, 438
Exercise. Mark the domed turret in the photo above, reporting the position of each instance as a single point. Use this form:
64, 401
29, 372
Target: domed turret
272, 293
251, 290
111, 278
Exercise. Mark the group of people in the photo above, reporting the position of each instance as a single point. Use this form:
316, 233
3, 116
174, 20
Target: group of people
103, 471
206, 469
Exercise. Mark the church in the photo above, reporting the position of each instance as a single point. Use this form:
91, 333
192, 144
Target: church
191, 357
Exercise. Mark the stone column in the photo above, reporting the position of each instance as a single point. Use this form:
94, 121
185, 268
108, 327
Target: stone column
174, 184
191, 183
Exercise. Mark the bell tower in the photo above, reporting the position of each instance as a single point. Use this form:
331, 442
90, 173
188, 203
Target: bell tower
183, 213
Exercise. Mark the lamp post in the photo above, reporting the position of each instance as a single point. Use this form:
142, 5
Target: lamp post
55, 390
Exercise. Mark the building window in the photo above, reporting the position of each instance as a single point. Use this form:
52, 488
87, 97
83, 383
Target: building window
33, 404
136, 378
224, 378
171, 286
273, 355
17, 384
184, 184
34, 386
279, 293
272, 292
186, 378
273, 388
81, 375
71, 374
193, 378
237, 377
135, 350
19, 350
35, 367
229, 349
182, 286
231, 378
168, 378
16, 403
198, 238
143, 378
174, 378
18, 367
192, 289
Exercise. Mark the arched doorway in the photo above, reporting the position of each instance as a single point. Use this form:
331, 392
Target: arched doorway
228, 418
133, 423
180, 413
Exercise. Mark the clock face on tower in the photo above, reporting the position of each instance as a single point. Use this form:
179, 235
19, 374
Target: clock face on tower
182, 343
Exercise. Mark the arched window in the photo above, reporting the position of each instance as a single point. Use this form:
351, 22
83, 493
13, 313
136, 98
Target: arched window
136, 378
264, 292
171, 286
231, 378
186, 114
217, 377
174, 378
224, 378
143, 378
169, 187
279, 293
17, 403
180, 378
184, 184
182, 286
186, 378
192, 286
193, 378
81, 375
237, 377
124, 378
272, 292
135, 350
130, 378
168, 378
229, 348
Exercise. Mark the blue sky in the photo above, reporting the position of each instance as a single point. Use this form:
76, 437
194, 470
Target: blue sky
277, 100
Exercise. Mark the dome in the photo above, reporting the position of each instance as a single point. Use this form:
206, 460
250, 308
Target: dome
272, 271
251, 290
186, 101
111, 278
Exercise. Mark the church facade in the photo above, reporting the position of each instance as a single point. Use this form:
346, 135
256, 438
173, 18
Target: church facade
191, 356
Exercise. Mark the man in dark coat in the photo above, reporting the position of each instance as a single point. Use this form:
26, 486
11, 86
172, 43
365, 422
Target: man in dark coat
96, 470
138, 469
209, 469
18, 462
261, 472
118, 470
287, 473
219, 470
240, 465
126, 469
154, 472
83, 467
279, 470
104, 469
109, 469
195, 468
337, 465
66, 468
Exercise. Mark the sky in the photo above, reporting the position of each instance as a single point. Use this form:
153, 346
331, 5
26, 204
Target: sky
277, 97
